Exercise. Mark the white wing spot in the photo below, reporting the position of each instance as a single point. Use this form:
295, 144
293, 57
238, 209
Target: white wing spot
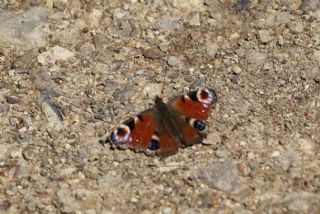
207, 100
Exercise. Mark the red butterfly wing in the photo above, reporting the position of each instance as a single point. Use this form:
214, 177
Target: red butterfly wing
195, 106
191, 135
168, 145
143, 133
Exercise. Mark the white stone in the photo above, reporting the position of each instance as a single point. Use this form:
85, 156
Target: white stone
265, 36
118, 14
236, 69
195, 20
152, 90
243, 143
316, 54
16, 153
275, 154
213, 138
94, 18
3, 150
53, 54
306, 145
185, 4
251, 155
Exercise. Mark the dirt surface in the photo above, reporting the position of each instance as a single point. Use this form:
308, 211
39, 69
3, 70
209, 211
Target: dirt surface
71, 71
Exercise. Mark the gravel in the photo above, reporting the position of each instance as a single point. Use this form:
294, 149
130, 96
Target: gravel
71, 71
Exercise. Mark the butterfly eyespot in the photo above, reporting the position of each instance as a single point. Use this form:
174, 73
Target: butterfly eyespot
206, 96
199, 125
121, 134
154, 144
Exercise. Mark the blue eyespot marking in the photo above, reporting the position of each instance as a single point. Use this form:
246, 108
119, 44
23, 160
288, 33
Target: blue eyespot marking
199, 125
154, 144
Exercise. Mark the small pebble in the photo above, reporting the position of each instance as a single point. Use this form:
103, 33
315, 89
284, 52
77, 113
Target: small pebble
251, 155
10, 189
242, 5
265, 36
12, 72
317, 79
173, 61
195, 20
255, 57
236, 69
153, 53
32, 206
195, 35
243, 143
16, 153
12, 99
123, 94
222, 153
275, 154
134, 200
167, 210
296, 27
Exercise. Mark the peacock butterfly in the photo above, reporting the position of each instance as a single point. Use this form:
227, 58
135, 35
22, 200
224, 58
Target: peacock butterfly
167, 127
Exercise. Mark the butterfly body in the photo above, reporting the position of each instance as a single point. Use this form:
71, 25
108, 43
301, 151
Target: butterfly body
167, 127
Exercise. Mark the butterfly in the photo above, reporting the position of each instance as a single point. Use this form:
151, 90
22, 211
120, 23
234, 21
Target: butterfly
164, 129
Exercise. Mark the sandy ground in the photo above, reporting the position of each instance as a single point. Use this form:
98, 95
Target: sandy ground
72, 71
